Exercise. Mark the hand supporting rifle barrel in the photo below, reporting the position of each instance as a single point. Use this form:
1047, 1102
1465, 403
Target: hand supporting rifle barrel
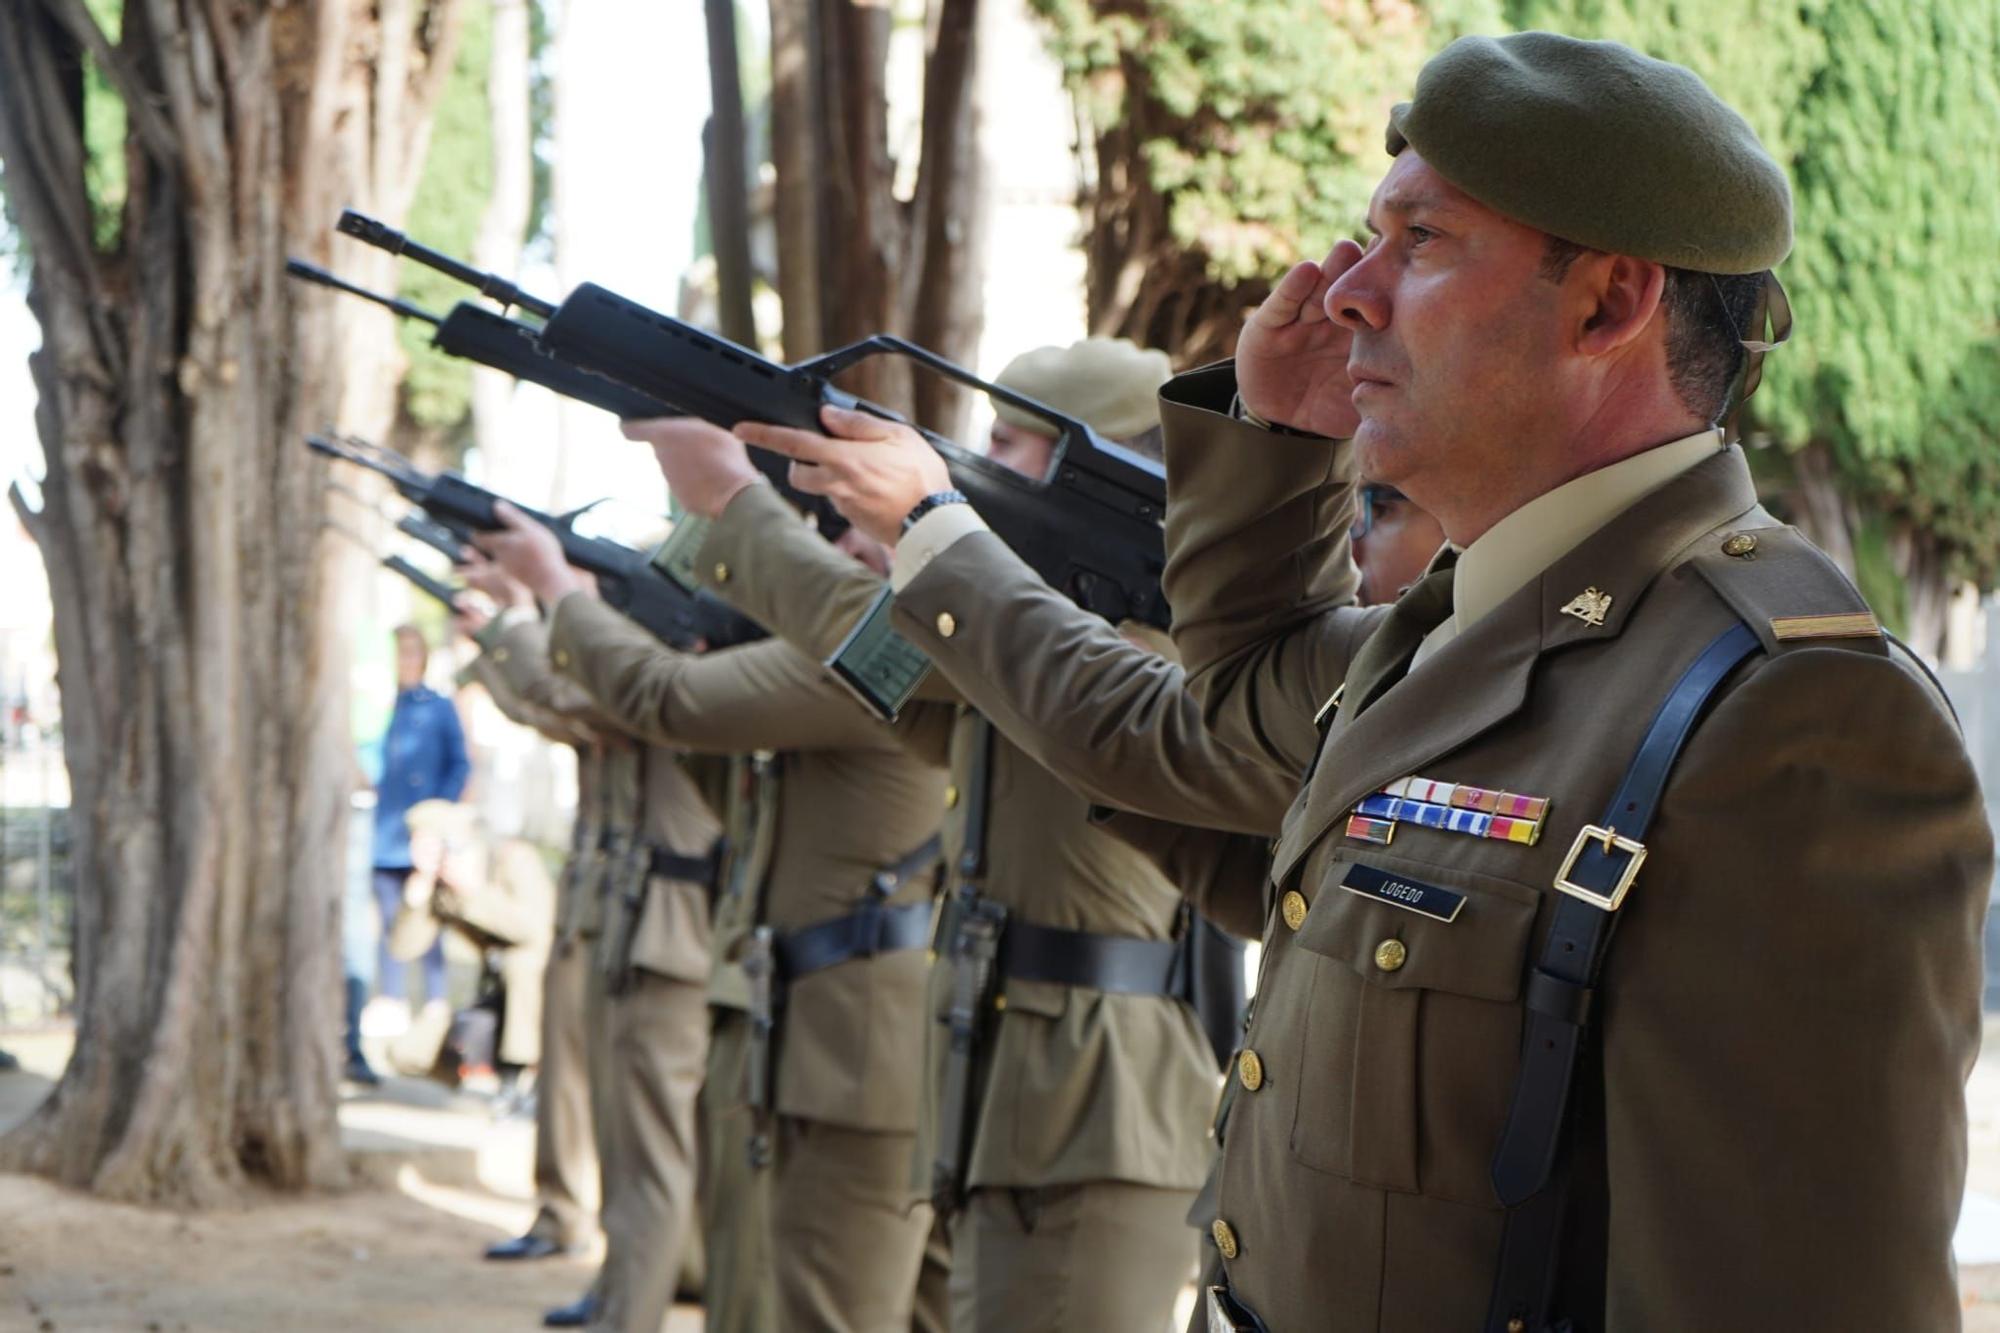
1091, 528
627, 579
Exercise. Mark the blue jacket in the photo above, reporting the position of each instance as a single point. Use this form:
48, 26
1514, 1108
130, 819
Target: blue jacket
423, 758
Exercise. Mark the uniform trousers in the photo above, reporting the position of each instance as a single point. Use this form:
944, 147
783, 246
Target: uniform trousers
738, 1294
846, 1236
566, 1184
1103, 1255
658, 1050
933, 1308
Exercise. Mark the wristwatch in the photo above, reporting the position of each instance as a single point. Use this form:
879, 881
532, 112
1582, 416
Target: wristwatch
935, 500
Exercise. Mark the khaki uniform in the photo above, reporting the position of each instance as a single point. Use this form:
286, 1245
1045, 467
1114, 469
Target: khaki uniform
567, 1185
845, 1230
1091, 1107
646, 928
1804, 932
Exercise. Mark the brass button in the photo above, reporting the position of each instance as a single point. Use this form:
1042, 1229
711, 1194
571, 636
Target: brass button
1250, 1070
1742, 544
721, 572
947, 624
950, 798
1391, 954
1293, 905
1225, 1238
562, 657
1518, 1324
499, 654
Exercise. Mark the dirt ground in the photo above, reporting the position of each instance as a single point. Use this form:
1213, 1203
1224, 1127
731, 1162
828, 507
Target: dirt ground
438, 1180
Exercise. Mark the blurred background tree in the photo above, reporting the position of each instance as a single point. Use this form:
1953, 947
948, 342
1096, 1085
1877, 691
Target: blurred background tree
160, 161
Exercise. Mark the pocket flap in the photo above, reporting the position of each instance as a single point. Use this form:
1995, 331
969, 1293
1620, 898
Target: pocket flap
1404, 925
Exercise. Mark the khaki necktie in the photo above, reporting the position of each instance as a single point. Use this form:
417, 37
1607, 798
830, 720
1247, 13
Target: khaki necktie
1385, 658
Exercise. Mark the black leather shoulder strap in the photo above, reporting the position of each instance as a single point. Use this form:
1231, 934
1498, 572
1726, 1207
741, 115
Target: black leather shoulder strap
1599, 871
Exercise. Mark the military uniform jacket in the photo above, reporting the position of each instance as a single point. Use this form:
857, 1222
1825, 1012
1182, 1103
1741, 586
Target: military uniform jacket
1080, 1085
645, 798
851, 801
1789, 1008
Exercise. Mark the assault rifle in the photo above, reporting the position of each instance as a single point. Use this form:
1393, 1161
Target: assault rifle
1091, 528
489, 338
627, 578
444, 592
447, 541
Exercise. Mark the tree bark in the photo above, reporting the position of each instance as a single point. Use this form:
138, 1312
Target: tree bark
728, 189
504, 225
795, 150
195, 618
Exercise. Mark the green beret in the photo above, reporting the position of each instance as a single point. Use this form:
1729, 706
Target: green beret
1111, 385
1601, 146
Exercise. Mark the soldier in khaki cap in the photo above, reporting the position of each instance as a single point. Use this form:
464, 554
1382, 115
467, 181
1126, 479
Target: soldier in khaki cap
843, 879
1624, 697
1068, 1135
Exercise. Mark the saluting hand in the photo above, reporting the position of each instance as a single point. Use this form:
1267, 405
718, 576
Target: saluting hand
873, 470
1291, 362
529, 552
705, 466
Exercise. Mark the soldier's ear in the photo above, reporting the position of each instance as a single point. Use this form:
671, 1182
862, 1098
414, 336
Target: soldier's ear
1621, 299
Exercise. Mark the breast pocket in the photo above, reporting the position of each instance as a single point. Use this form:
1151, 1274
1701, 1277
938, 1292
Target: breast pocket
1411, 1031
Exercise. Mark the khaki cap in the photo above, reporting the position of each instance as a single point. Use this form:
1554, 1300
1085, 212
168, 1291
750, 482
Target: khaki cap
1602, 147
1111, 385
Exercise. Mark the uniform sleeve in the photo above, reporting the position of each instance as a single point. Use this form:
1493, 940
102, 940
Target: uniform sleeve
1791, 1009
1222, 874
484, 672
1258, 570
1114, 720
779, 571
757, 696
524, 663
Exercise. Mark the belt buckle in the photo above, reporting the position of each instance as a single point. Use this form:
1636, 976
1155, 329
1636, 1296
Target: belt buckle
1589, 833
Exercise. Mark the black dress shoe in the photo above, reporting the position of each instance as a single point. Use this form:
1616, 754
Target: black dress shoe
530, 1246
576, 1314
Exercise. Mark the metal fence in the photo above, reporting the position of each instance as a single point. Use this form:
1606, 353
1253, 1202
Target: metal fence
37, 882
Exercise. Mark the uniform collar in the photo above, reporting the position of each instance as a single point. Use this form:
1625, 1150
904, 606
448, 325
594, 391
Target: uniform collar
1532, 538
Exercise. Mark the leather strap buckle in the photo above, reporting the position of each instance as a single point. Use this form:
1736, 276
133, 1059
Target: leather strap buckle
1635, 853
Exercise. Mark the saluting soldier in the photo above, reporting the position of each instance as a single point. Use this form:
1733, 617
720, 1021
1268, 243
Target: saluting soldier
567, 1188
647, 923
836, 964
1070, 1084
1626, 699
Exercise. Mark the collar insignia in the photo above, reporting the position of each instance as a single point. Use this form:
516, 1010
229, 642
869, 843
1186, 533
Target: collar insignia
1589, 606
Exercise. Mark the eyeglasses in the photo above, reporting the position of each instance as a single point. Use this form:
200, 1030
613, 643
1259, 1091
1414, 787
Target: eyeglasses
1373, 496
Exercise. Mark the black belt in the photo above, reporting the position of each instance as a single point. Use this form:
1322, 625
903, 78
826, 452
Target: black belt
875, 929
1124, 964
690, 869
1529, 1173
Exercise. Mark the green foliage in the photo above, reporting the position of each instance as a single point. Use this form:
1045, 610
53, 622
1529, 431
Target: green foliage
457, 182
1886, 113
540, 240
1261, 120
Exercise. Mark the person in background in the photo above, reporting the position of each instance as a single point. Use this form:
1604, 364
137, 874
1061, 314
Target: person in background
423, 759
1393, 541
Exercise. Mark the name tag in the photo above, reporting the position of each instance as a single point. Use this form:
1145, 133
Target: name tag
1411, 895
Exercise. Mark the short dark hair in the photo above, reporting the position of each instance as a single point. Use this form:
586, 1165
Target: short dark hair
1708, 316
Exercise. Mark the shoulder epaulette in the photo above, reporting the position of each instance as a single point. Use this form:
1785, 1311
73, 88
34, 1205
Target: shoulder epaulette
1787, 590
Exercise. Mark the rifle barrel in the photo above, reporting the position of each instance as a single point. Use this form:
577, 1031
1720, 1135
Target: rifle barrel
298, 268
384, 237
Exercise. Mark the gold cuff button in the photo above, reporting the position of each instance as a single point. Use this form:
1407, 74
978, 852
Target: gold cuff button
1391, 954
499, 654
1293, 905
1741, 545
562, 657
947, 624
1225, 1238
721, 572
1250, 1070
951, 798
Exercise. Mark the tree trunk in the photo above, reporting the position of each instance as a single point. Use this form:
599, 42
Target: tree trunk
724, 151
196, 620
853, 259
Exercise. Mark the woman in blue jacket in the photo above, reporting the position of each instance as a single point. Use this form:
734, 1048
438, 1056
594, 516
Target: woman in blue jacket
423, 758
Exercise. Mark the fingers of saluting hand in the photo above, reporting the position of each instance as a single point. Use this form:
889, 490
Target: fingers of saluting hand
1295, 300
